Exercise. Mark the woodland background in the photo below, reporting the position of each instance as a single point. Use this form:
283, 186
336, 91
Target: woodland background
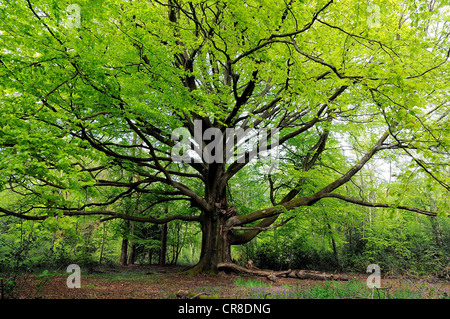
336, 237
87, 113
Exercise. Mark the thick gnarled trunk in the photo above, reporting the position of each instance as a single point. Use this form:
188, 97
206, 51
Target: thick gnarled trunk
215, 236
215, 243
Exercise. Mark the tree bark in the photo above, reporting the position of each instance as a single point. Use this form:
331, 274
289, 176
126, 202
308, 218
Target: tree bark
132, 254
216, 247
103, 245
124, 252
162, 252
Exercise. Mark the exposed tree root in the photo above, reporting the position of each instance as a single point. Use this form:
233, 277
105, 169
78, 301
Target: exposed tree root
183, 294
198, 269
274, 275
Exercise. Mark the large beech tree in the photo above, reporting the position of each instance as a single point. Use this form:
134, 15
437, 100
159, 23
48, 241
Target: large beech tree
91, 93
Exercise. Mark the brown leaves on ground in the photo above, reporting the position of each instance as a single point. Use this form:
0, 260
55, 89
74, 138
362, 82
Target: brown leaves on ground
152, 282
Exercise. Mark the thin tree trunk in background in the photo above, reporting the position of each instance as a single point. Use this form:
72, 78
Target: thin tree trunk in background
333, 242
180, 245
74, 250
150, 256
132, 254
192, 253
162, 253
176, 245
52, 247
103, 245
124, 252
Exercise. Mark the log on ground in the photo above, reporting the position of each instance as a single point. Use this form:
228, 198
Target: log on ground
273, 275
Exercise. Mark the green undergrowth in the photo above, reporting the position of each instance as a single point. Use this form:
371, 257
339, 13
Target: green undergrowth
351, 289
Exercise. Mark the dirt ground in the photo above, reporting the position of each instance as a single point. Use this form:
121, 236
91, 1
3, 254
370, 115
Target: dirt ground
153, 282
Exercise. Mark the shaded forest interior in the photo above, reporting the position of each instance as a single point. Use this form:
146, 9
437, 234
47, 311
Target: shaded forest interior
403, 243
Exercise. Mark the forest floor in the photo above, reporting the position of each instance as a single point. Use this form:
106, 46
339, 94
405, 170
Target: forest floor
153, 282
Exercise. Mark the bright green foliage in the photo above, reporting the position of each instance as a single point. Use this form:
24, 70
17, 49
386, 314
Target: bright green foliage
87, 112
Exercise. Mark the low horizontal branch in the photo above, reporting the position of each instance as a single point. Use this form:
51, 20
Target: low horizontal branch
380, 205
134, 218
112, 214
23, 216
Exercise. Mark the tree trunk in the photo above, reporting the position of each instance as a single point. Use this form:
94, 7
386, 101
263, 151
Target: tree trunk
216, 239
124, 252
103, 245
215, 244
333, 243
162, 253
175, 242
150, 256
132, 255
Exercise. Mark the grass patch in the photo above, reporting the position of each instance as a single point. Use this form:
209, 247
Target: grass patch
251, 283
351, 289
89, 286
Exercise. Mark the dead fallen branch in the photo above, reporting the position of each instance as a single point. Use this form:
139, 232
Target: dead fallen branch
274, 275
310, 274
183, 294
